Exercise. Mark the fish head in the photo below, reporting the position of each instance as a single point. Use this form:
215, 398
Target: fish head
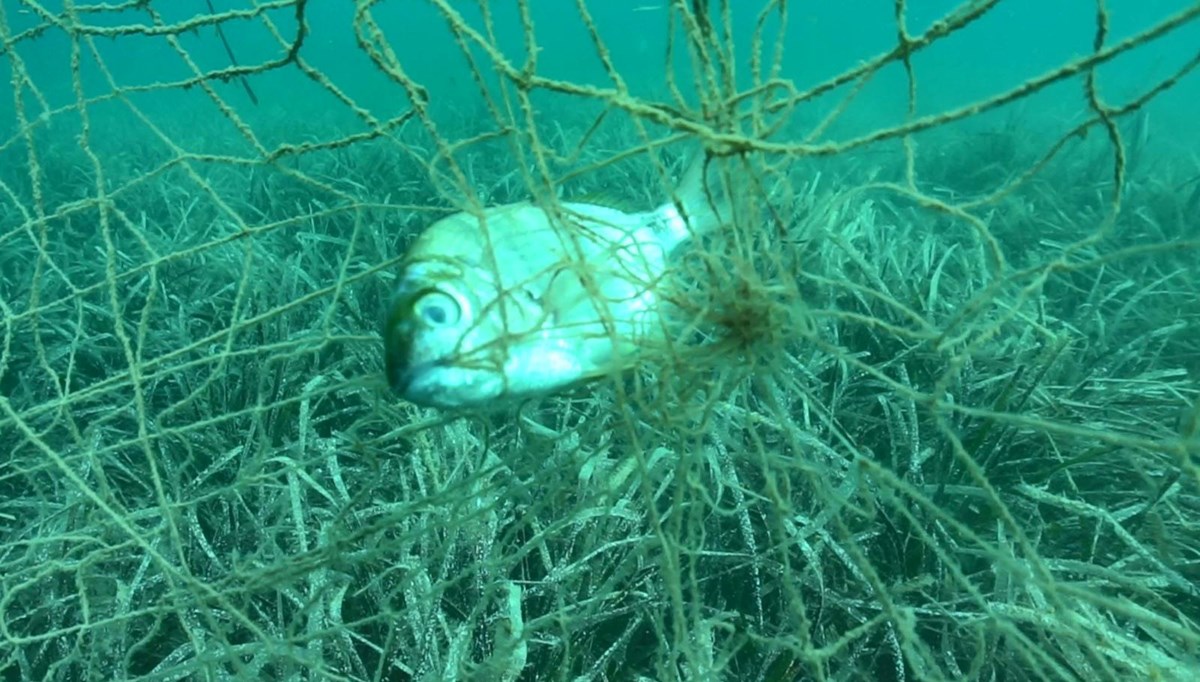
438, 338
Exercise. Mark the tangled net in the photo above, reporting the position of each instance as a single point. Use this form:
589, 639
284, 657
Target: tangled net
935, 416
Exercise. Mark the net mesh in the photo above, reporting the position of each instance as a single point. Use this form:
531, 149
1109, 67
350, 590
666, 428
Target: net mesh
934, 417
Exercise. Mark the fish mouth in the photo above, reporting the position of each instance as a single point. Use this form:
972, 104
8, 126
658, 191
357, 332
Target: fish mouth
419, 380
400, 368
402, 377
443, 384
430, 380
400, 380
432, 384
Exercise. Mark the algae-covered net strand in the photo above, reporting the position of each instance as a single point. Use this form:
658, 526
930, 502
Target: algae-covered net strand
924, 408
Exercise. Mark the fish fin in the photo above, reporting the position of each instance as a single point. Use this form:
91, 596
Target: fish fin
699, 204
565, 297
608, 200
576, 321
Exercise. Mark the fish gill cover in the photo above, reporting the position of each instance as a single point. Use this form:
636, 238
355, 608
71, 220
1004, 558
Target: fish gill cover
930, 412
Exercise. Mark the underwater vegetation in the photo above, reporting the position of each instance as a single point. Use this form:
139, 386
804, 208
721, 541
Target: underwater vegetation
919, 403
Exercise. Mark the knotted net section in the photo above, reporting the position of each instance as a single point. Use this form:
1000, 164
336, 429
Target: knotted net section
930, 413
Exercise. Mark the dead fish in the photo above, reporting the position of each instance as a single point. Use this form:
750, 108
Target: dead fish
521, 300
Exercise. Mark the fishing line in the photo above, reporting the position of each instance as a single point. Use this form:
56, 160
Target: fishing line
229, 51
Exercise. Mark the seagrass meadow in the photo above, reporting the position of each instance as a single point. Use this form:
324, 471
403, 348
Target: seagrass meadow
932, 411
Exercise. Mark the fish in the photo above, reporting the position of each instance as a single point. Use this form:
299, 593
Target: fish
522, 300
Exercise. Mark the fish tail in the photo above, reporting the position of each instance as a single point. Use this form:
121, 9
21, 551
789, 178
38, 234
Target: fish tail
699, 204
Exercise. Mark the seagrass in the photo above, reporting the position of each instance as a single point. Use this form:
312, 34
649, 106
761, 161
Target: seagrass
929, 411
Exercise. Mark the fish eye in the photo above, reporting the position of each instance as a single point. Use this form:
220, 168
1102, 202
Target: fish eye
437, 308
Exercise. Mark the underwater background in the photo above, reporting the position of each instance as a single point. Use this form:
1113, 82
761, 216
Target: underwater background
1010, 44
936, 414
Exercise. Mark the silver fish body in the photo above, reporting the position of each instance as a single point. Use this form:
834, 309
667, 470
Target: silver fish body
518, 301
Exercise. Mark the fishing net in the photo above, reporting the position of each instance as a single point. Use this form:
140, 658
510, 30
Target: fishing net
931, 414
